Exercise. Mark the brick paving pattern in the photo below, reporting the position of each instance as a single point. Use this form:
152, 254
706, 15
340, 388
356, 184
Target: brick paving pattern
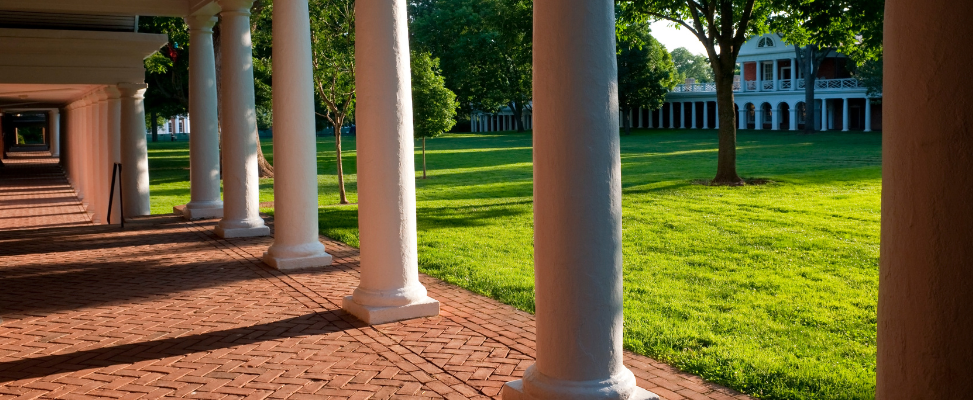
165, 308
34, 192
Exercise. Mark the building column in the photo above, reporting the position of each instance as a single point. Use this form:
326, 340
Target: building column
389, 289
844, 115
296, 243
776, 75
241, 180
793, 120
102, 158
114, 134
651, 123
758, 117
716, 116
204, 141
577, 213
774, 118
743, 117
794, 72
134, 154
824, 115
925, 274
693, 105
682, 112
641, 119
868, 114
54, 119
760, 78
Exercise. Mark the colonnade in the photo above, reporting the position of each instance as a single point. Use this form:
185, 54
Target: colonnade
499, 122
104, 127
696, 115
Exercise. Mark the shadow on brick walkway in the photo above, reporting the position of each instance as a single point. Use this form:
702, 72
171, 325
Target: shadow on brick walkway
165, 308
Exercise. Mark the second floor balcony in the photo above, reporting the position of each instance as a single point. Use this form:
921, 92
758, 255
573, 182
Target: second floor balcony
772, 86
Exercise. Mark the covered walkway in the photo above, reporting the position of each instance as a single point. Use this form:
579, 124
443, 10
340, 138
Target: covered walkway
166, 307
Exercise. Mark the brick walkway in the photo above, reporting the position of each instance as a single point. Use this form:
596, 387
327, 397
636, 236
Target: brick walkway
167, 309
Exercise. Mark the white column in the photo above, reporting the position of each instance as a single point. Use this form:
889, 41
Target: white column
389, 289
672, 115
134, 154
793, 119
296, 243
693, 105
114, 134
844, 115
774, 118
54, 119
716, 115
776, 76
758, 117
868, 115
641, 119
630, 112
651, 115
204, 140
91, 120
102, 158
238, 123
682, 115
705, 115
824, 115
794, 71
743, 117
577, 213
760, 78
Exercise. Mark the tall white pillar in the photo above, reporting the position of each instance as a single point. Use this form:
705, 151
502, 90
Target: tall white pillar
672, 115
389, 289
87, 180
760, 78
693, 105
793, 116
868, 115
102, 158
716, 115
204, 140
296, 243
775, 118
682, 115
743, 117
641, 119
241, 180
54, 119
577, 213
758, 117
776, 76
113, 132
844, 115
794, 71
134, 153
824, 115
705, 115
651, 124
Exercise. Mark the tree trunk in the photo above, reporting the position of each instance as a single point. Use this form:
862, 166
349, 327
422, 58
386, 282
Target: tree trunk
343, 197
264, 168
726, 166
423, 158
518, 111
155, 127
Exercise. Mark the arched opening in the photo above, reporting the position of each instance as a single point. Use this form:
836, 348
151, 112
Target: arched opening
766, 116
751, 111
801, 114
783, 116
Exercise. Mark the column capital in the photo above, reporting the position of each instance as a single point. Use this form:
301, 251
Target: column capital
235, 6
112, 92
132, 89
201, 23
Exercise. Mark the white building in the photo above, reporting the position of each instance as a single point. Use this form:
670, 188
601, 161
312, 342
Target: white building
502, 120
771, 91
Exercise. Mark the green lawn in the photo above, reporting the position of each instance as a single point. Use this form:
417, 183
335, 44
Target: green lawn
770, 289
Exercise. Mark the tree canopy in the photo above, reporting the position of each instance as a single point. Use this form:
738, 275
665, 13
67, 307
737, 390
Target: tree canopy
690, 65
433, 105
646, 72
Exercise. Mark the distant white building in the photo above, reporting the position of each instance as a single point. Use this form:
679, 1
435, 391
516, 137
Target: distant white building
770, 95
175, 126
502, 120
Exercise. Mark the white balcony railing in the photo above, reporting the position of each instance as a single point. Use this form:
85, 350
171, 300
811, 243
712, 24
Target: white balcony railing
695, 87
751, 86
785, 84
849, 83
768, 86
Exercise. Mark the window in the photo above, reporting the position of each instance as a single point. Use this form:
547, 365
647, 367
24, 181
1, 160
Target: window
766, 42
767, 71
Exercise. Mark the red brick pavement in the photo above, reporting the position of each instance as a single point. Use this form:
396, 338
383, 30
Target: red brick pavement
165, 308
35, 193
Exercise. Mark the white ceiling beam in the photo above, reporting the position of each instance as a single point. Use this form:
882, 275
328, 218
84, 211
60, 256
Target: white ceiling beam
168, 8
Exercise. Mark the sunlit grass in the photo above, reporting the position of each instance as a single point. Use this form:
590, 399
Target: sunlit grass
767, 289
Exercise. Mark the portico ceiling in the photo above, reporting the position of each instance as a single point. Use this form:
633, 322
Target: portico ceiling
171, 8
26, 96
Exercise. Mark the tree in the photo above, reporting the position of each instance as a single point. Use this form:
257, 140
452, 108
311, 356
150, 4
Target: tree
167, 71
260, 32
433, 105
485, 48
870, 74
645, 73
692, 66
333, 58
818, 28
722, 26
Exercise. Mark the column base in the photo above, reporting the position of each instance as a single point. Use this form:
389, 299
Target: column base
288, 264
229, 233
427, 307
514, 390
198, 213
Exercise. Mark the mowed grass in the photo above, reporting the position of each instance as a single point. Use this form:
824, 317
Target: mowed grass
768, 289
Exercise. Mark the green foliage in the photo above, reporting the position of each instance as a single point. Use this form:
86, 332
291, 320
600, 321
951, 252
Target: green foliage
870, 74
262, 39
167, 77
333, 56
691, 65
433, 105
646, 72
852, 27
485, 48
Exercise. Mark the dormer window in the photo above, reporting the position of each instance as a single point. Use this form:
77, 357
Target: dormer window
766, 42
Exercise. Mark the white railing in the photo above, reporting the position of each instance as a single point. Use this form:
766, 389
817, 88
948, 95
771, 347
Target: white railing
695, 88
801, 84
785, 84
751, 86
768, 85
849, 83
736, 86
